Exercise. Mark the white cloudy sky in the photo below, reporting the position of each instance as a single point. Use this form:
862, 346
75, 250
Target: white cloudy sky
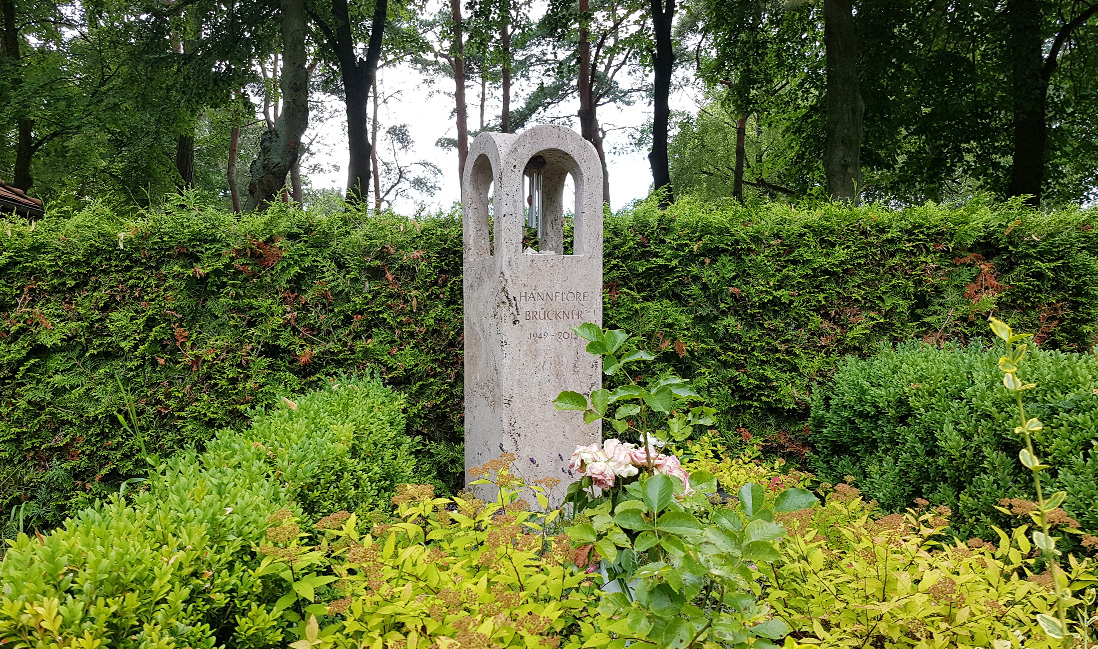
427, 112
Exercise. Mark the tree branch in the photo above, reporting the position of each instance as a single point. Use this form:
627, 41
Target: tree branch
1061, 37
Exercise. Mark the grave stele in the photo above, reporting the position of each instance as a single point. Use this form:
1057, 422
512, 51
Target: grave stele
520, 351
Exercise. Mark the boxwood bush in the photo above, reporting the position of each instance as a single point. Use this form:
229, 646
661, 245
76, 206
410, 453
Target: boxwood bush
174, 564
915, 421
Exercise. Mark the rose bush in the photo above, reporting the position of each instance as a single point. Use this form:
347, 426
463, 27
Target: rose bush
618, 459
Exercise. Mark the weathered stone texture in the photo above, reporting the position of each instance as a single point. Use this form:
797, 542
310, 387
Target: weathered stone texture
520, 351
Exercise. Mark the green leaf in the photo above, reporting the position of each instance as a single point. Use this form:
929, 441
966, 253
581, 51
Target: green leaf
658, 490
673, 544
614, 339
752, 497
596, 347
664, 601
703, 481
760, 530
794, 499
1051, 626
760, 551
637, 356
639, 623
1046, 543
1055, 500
1012, 382
632, 519
1034, 425
644, 541
610, 365
681, 523
627, 392
628, 410
627, 559
1007, 365
569, 400
607, 550
1000, 328
1027, 458
723, 541
620, 425
660, 400
775, 629
304, 589
582, 534
588, 331
600, 401
728, 519
685, 392
590, 416
677, 634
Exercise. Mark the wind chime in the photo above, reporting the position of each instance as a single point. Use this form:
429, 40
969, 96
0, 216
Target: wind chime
534, 197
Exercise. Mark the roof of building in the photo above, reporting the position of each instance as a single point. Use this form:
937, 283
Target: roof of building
13, 199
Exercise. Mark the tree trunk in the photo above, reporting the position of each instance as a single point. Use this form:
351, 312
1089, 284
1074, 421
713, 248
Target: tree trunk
588, 117
295, 183
842, 157
278, 148
357, 95
373, 154
184, 160
230, 169
458, 59
483, 95
1029, 92
358, 78
24, 146
505, 44
741, 154
10, 41
24, 153
663, 15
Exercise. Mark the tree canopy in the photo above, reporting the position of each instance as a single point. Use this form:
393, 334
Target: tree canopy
897, 101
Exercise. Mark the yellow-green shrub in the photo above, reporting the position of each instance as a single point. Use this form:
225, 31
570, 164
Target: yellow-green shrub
848, 577
734, 471
445, 570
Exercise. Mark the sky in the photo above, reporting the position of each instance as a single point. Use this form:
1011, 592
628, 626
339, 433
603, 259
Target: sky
427, 112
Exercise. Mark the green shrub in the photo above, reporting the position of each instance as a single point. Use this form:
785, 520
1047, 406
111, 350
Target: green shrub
342, 447
177, 565
916, 421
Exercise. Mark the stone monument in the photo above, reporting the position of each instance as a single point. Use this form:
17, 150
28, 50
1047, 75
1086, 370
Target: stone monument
521, 303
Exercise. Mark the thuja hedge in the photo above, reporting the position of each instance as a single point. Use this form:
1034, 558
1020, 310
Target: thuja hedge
193, 316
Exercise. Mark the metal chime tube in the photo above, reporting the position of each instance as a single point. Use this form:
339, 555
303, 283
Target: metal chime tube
535, 201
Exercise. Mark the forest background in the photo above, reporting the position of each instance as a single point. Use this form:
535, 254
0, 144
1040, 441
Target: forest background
126, 101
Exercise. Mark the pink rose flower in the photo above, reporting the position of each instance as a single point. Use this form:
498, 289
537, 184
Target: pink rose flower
669, 465
618, 456
585, 455
602, 474
640, 457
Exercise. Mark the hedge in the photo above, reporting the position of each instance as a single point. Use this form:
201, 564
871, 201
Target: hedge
199, 315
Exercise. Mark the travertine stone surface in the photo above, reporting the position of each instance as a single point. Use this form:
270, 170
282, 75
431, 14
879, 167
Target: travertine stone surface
520, 352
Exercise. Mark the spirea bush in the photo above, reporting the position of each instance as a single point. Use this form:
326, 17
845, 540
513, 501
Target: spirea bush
850, 576
915, 421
